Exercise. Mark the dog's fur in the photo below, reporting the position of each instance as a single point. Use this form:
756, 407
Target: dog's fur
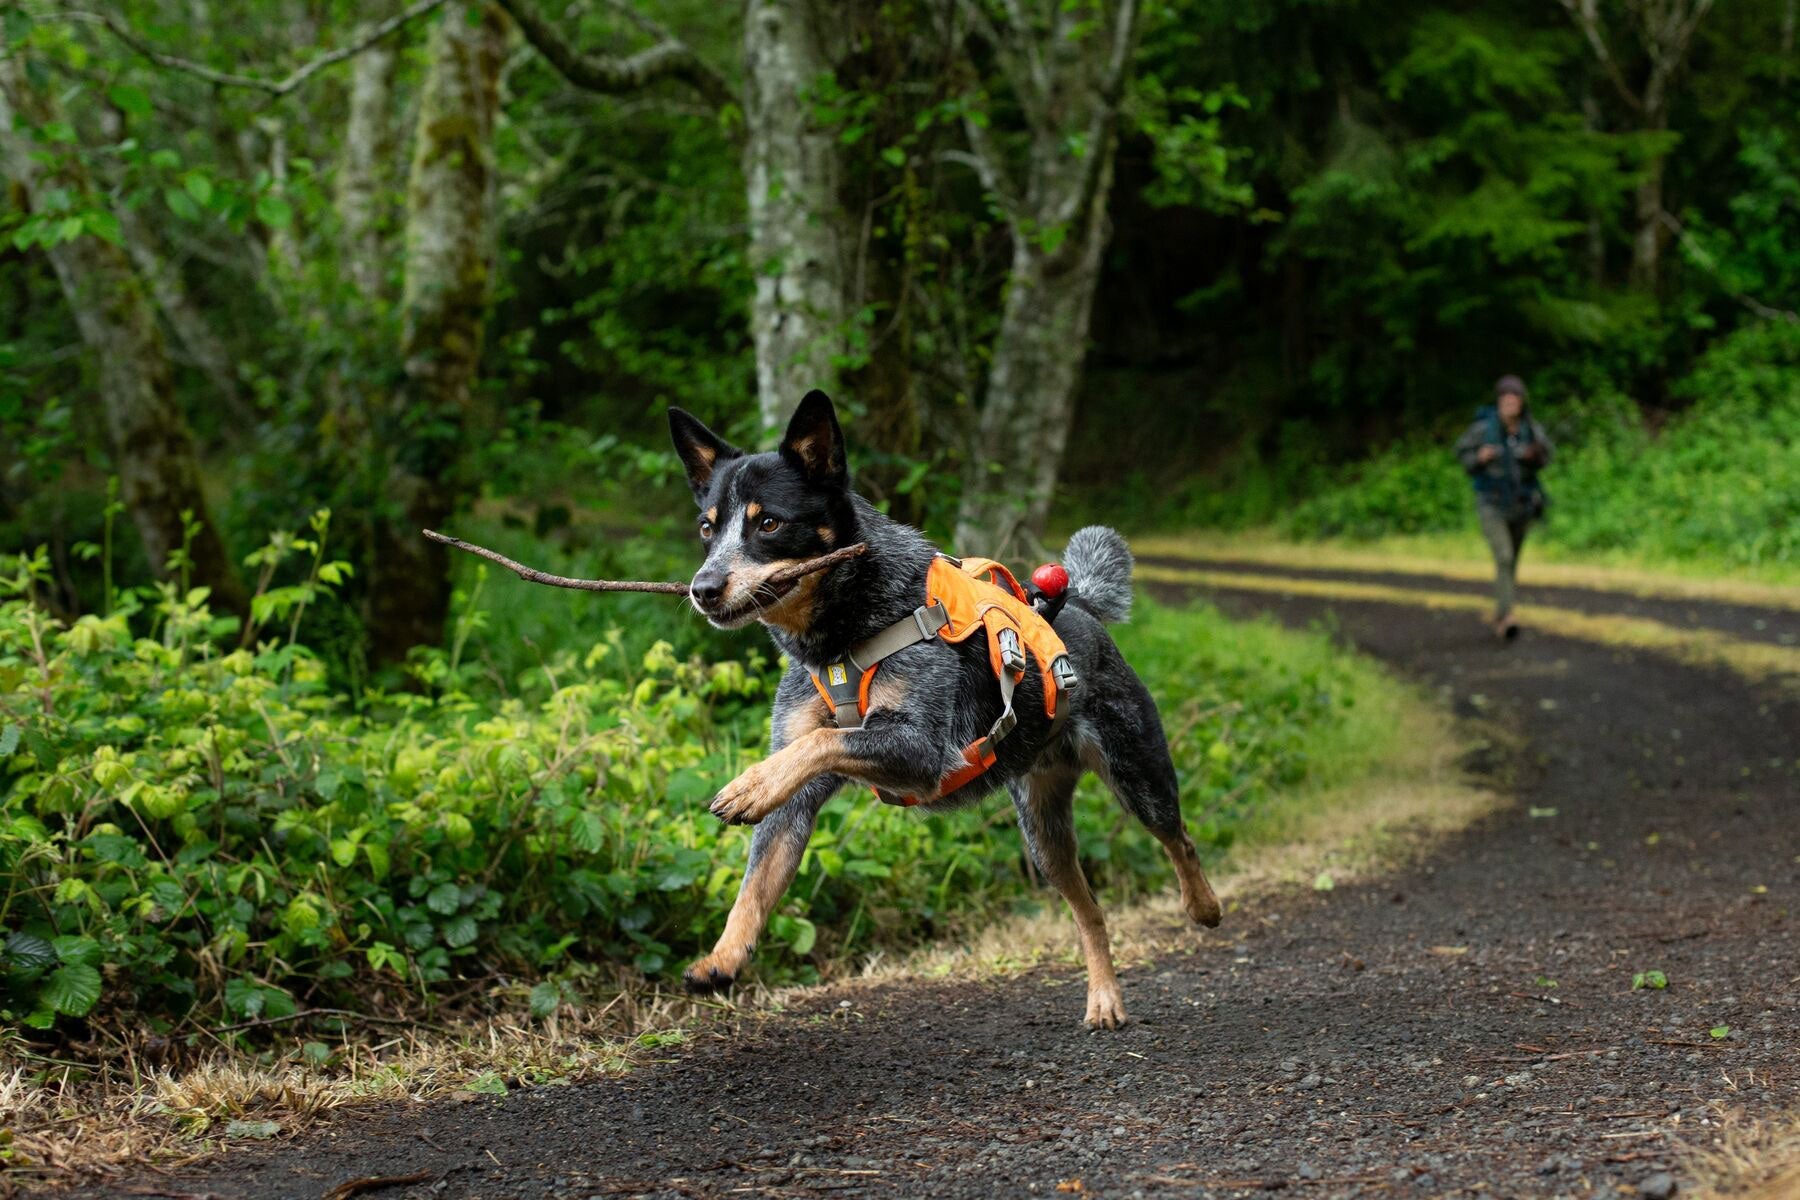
761, 511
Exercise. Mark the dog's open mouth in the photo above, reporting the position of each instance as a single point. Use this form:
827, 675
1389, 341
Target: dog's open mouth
759, 599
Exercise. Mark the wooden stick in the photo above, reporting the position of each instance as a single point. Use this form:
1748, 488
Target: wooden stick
531, 575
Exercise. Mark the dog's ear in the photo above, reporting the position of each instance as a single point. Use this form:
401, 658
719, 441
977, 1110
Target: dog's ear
700, 448
815, 444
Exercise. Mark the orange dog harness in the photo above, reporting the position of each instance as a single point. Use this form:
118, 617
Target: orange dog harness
961, 597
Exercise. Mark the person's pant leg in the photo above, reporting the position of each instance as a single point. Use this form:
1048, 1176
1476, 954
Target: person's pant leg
1499, 534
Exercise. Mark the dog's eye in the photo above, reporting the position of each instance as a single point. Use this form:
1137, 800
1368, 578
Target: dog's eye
768, 525
706, 531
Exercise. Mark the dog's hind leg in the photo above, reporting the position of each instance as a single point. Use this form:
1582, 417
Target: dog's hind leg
1045, 802
1129, 752
775, 851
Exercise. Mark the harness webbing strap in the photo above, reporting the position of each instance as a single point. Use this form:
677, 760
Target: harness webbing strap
845, 684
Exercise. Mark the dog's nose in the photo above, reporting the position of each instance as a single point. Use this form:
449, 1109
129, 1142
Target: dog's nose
708, 587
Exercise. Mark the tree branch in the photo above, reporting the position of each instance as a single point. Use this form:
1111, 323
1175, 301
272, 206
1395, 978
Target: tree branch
669, 59
275, 88
1587, 17
532, 575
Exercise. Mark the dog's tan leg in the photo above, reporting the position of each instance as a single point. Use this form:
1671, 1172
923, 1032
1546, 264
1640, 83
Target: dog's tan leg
764, 886
1197, 899
1046, 815
775, 853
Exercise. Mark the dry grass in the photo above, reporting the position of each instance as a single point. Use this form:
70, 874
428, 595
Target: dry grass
1700, 647
67, 1124
1747, 1158
1456, 556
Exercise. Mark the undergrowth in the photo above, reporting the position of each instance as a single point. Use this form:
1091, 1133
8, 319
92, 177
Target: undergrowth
202, 838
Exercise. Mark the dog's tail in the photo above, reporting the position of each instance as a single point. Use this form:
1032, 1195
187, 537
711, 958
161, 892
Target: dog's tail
1099, 566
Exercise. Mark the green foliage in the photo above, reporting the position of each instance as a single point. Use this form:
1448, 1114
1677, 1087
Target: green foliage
194, 829
1720, 480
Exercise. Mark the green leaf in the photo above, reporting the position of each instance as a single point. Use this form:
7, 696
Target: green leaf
72, 989
1720, 1031
544, 999
1655, 980
199, 187
252, 1129
805, 934
444, 899
588, 833
460, 931
181, 204
9, 740
77, 950
133, 101
105, 226
1324, 882
486, 1084
274, 212
243, 998
29, 952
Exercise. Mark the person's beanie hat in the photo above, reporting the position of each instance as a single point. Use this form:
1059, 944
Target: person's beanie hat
1510, 383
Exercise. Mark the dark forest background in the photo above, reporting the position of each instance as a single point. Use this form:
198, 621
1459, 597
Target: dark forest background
1172, 264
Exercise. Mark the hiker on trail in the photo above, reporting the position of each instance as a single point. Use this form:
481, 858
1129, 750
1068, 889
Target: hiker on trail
1503, 451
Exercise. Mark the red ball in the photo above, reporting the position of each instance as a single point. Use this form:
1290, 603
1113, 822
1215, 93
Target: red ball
1050, 579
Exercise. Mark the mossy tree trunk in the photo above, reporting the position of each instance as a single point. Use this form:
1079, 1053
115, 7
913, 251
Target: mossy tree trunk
1064, 66
444, 305
800, 242
152, 447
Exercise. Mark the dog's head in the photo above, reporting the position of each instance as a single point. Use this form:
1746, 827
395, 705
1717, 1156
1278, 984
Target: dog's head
760, 512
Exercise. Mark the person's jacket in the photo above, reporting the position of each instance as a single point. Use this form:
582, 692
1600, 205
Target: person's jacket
1508, 481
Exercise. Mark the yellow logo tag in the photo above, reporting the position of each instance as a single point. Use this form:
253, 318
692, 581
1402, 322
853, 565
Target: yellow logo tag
835, 675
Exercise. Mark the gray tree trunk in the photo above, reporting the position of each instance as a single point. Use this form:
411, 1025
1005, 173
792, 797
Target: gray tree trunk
1066, 67
448, 260
153, 450
800, 243
1032, 383
362, 176
192, 329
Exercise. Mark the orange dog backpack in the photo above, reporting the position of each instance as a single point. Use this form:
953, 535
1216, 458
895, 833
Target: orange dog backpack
962, 596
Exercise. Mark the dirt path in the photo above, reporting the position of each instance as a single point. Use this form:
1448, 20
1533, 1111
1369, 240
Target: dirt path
1399, 1039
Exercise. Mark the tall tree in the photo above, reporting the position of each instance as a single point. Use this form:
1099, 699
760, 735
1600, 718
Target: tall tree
800, 245
362, 172
1664, 30
1064, 65
799, 242
152, 448
448, 267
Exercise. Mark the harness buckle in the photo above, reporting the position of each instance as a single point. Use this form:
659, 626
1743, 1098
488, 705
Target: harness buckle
924, 615
1011, 653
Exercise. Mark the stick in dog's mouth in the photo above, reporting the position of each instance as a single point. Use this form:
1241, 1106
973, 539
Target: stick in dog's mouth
782, 578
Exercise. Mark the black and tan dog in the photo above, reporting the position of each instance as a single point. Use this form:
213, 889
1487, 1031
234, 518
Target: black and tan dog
927, 702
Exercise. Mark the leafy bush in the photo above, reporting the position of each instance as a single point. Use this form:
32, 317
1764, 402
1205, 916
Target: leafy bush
195, 830
1720, 480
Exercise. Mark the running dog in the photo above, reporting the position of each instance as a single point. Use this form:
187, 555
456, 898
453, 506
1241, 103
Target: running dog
934, 722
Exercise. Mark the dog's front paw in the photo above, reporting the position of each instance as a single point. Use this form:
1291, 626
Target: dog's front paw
748, 798
711, 974
1105, 1008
